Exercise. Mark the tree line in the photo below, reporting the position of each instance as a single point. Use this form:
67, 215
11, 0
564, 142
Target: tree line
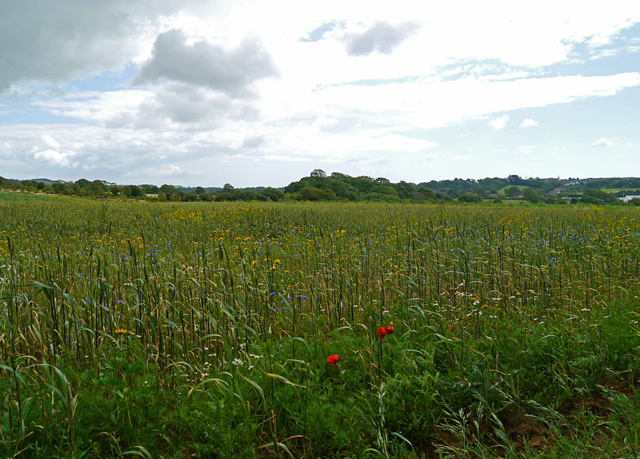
319, 186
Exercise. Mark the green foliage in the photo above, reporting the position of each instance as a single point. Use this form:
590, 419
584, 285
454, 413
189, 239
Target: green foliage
343, 187
468, 197
531, 195
273, 194
593, 196
512, 191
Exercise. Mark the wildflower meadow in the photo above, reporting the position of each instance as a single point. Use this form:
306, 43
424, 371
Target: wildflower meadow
318, 330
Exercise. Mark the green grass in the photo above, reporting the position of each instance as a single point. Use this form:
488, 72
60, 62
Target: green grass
616, 190
203, 330
25, 197
521, 187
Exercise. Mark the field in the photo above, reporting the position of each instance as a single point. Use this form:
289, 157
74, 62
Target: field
227, 330
521, 187
21, 197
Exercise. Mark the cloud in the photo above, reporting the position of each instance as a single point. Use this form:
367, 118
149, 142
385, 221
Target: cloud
53, 155
381, 37
163, 171
189, 104
53, 41
602, 143
253, 141
499, 123
318, 33
51, 141
524, 149
230, 71
528, 123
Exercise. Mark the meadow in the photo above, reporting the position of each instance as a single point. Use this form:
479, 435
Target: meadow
318, 330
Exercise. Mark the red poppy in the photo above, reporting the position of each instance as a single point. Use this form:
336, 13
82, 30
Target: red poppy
382, 332
451, 327
389, 329
333, 359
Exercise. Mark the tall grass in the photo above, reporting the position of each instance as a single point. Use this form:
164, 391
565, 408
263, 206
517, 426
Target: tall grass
179, 329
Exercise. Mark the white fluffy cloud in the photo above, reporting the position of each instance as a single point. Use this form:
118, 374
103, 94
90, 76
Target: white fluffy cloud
500, 122
528, 123
53, 153
602, 143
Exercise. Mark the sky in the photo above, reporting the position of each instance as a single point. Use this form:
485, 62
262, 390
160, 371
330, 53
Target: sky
261, 93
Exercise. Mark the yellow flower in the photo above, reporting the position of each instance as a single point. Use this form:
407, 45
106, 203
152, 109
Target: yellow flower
120, 331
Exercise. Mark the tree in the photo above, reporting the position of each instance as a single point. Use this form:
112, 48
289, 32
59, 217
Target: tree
514, 179
169, 189
228, 188
480, 191
603, 196
328, 195
309, 193
82, 182
318, 173
511, 191
468, 197
244, 195
150, 189
272, 193
531, 195
199, 190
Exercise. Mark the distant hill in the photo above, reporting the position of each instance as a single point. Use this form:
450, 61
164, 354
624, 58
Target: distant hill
8, 180
46, 181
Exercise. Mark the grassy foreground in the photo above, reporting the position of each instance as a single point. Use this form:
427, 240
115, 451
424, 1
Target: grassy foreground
225, 330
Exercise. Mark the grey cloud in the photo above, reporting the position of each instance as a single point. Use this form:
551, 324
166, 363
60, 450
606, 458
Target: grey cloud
203, 64
253, 141
119, 121
381, 37
185, 103
52, 41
